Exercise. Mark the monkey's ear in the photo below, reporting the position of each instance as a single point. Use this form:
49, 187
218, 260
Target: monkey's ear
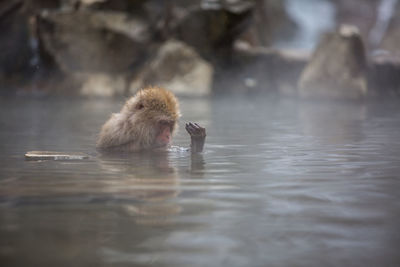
139, 106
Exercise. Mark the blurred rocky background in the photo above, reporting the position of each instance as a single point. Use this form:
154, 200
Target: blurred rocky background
342, 49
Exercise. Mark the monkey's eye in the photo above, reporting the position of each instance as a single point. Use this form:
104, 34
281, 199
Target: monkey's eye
139, 106
166, 123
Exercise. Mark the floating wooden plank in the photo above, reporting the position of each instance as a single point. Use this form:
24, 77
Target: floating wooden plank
52, 155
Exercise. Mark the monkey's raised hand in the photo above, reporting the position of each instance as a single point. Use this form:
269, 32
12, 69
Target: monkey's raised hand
198, 136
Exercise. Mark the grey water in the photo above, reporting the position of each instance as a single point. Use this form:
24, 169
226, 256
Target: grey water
280, 183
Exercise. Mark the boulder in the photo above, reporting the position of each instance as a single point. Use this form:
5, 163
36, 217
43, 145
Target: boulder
271, 24
360, 13
177, 67
16, 44
93, 41
14, 38
96, 51
337, 69
101, 84
213, 27
384, 75
255, 71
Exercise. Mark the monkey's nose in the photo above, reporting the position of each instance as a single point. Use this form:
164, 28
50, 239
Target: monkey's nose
166, 138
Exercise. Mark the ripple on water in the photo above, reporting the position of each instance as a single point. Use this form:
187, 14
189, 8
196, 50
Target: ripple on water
277, 185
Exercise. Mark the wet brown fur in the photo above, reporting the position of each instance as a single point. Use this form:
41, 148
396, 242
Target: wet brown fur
135, 127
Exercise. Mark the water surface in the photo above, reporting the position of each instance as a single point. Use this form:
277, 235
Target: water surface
281, 183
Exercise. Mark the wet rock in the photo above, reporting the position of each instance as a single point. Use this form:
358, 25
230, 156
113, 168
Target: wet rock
101, 84
384, 75
19, 59
361, 13
52, 155
212, 29
259, 71
337, 69
136, 7
234, 6
270, 24
93, 41
15, 43
95, 51
150, 11
179, 68
14, 38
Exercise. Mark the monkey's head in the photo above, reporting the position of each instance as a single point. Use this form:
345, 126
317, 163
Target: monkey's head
153, 116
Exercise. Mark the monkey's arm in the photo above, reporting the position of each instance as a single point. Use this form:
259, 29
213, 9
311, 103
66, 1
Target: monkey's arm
197, 135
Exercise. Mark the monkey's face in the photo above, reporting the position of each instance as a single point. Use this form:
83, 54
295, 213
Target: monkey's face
157, 129
164, 133
154, 118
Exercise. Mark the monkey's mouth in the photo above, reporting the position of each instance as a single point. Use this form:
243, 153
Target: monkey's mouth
160, 145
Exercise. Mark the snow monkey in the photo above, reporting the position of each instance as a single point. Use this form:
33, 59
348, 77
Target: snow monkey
146, 122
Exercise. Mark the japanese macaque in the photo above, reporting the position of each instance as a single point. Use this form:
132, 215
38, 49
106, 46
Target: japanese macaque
147, 121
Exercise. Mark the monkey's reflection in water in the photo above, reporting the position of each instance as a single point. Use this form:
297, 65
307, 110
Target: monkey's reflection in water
150, 183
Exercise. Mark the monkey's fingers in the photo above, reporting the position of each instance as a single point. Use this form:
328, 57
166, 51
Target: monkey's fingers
195, 130
187, 127
200, 129
190, 128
